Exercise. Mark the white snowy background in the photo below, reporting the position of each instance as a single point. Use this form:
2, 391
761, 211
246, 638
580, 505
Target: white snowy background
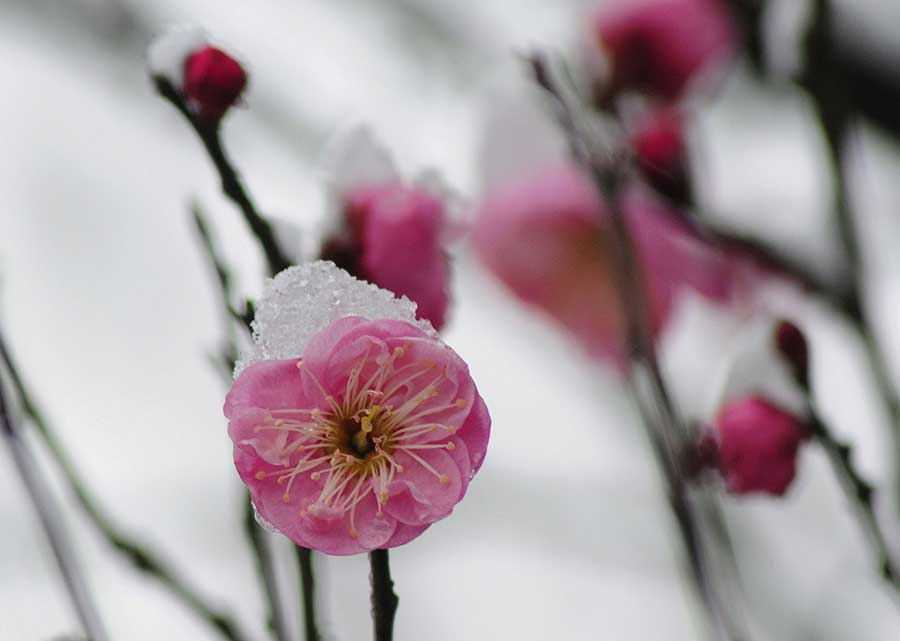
112, 313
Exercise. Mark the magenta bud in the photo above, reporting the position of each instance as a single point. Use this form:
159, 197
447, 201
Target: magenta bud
213, 81
758, 445
658, 144
792, 345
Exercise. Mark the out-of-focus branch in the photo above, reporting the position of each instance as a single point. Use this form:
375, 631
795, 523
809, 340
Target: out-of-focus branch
871, 76
232, 186
860, 494
54, 528
262, 554
665, 431
223, 275
829, 92
142, 558
262, 558
384, 601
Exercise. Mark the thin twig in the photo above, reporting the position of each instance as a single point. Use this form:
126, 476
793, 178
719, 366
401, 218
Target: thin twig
142, 557
665, 430
276, 617
860, 494
51, 521
384, 601
308, 593
222, 272
208, 132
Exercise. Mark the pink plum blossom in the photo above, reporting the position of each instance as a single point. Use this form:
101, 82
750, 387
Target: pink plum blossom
547, 237
389, 231
659, 47
365, 439
757, 445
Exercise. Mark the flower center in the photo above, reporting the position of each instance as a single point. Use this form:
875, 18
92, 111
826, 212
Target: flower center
355, 434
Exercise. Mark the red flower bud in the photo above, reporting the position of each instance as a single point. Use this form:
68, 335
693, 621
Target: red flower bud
658, 143
758, 444
791, 344
213, 81
659, 47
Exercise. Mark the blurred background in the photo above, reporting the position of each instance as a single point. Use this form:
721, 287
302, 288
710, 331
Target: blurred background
111, 311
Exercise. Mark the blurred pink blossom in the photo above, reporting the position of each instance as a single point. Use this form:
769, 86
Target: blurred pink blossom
391, 235
363, 442
389, 231
659, 47
547, 236
758, 444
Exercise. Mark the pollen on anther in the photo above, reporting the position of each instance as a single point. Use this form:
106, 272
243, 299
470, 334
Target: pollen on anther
259, 476
315, 476
353, 533
286, 498
258, 428
444, 479
460, 402
451, 446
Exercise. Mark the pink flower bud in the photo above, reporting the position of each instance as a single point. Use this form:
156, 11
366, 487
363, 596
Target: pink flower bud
658, 143
661, 46
547, 236
391, 235
791, 344
758, 444
213, 81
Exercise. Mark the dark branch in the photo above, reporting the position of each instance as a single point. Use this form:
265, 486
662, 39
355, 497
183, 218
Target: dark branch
384, 601
53, 526
141, 557
308, 594
665, 430
232, 187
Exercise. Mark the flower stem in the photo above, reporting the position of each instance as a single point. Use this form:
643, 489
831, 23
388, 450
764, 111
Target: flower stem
142, 558
384, 601
232, 186
307, 593
860, 494
51, 521
665, 431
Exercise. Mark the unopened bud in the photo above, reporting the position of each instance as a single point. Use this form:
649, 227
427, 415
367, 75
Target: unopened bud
792, 345
213, 81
